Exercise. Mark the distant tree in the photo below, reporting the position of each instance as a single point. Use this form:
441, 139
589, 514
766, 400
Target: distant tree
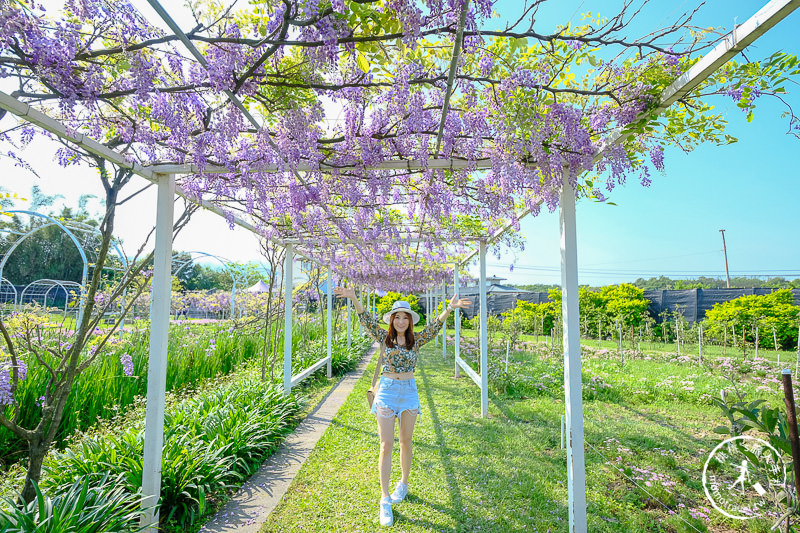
746, 312
536, 287
385, 303
199, 277
625, 304
592, 310
704, 282
538, 319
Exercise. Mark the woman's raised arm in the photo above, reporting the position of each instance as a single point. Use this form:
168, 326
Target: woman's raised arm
368, 321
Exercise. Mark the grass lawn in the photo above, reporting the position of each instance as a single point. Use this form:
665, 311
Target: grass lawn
508, 472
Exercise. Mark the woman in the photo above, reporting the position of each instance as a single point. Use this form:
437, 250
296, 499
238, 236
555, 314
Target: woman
396, 395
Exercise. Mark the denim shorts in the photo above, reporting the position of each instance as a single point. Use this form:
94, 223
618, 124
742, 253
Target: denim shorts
395, 396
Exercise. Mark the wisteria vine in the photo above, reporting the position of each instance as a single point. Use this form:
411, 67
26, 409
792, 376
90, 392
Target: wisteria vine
534, 105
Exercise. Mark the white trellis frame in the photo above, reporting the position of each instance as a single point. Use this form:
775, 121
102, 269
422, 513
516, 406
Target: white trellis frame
481, 379
289, 380
234, 273
741, 37
41, 290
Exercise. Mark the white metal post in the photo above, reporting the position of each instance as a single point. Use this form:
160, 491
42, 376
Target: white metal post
288, 275
700, 342
435, 297
361, 301
329, 294
576, 468
444, 327
427, 309
157, 366
484, 343
349, 325
457, 320
756, 356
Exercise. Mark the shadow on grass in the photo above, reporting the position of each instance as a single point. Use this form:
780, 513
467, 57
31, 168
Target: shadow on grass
452, 480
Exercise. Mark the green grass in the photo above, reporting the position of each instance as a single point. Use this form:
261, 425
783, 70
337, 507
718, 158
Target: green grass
508, 472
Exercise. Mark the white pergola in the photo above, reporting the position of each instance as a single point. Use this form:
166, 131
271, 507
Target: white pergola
164, 177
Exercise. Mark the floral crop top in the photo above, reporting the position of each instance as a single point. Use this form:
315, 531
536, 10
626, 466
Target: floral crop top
399, 358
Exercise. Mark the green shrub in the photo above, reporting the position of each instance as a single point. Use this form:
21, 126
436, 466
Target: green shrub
91, 504
210, 442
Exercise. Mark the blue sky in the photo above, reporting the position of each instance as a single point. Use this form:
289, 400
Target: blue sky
750, 189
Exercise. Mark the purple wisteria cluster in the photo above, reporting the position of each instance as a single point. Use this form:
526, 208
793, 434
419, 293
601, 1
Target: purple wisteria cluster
7, 380
338, 188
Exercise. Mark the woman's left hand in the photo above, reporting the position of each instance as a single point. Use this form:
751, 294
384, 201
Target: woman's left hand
459, 303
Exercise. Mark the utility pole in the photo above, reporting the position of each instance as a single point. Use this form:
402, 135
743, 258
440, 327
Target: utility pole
725, 252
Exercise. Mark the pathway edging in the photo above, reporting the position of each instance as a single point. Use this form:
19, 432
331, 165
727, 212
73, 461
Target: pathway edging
252, 504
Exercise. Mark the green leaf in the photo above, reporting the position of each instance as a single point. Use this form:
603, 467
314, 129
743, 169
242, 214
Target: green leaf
362, 62
750, 116
592, 61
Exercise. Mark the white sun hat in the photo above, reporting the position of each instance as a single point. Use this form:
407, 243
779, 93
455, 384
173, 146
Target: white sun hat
401, 305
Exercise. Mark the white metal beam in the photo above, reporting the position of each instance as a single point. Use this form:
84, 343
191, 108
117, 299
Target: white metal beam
159, 344
576, 474
308, 371
733, 43
36, 117
470, 372
398, 164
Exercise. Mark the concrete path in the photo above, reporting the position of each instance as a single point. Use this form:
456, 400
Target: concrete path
251, 505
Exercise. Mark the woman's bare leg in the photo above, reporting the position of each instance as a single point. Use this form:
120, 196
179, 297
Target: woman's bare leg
407, 421
386, 434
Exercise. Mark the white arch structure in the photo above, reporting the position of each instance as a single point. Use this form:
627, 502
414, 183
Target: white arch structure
40, 290
8, 292
164, 176
235, 273
70, 228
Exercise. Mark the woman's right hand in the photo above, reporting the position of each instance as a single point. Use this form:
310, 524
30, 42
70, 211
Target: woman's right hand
345, 292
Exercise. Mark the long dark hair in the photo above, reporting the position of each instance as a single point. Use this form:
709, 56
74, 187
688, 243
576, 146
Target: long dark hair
391, 338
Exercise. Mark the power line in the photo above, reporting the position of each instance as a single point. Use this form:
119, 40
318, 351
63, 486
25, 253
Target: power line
598, 271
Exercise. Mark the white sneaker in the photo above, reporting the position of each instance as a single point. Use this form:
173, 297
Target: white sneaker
387, 518
400, 492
